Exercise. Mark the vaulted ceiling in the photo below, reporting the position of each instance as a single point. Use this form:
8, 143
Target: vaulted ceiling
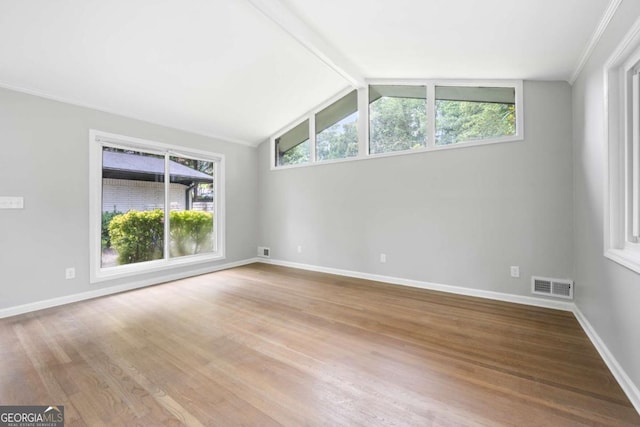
242, 69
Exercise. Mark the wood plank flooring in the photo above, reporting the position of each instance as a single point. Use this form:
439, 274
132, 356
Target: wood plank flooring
264, 345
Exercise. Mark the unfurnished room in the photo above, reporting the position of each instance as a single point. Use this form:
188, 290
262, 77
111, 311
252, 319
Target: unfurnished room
342, 213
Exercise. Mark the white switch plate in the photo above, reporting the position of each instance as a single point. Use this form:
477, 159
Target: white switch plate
9, 202
383, 258
70, 273
299, 249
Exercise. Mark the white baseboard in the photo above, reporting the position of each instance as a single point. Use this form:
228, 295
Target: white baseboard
54, 302
499, 296
630, 389
620, 375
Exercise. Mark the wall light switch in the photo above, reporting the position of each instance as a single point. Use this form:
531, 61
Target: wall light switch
383, 258
10, 202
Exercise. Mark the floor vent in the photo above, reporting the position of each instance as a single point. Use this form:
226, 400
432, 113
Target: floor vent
264, 252
560, 288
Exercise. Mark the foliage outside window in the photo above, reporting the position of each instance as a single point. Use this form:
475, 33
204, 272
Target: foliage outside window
155, 207
397, 118
293, 148
473, 113
337, 129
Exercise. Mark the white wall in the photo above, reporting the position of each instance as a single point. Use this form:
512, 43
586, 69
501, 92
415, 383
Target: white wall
607, 293
458, 217
44, 157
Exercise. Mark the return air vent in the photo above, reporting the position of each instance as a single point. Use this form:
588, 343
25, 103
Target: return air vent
264, 252
560, 288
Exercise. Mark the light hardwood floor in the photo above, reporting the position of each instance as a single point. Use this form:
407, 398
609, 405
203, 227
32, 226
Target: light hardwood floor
264, 345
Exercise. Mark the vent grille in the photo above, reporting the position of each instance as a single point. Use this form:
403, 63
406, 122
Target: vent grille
264, 252
560, 288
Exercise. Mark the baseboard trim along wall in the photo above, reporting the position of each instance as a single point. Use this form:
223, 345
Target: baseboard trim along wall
499, 296
630, 389
54, 302
620, 375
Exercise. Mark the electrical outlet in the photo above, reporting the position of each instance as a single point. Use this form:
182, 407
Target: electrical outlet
515, 271
70, 273
299, 249
383, 258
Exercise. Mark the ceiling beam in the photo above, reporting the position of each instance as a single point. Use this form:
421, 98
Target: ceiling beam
282, 16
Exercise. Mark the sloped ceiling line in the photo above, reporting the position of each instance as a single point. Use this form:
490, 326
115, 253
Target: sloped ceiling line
310, 40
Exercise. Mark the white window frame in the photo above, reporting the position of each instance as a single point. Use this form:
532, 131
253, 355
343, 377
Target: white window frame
363, 121
622, 160
99, 139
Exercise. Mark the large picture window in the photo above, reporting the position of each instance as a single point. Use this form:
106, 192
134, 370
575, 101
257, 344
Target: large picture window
153, 206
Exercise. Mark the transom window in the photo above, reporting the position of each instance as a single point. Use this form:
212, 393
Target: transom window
153, 206
403, 118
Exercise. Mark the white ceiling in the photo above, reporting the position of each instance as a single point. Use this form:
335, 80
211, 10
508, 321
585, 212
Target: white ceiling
224, 68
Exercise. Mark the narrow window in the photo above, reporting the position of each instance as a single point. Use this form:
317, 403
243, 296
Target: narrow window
337, 129
133, 200
192, 207
622, 168
474, 113
397, 118
634, 161
293, 148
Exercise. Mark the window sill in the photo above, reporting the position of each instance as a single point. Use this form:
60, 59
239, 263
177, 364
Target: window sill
421, 150
132, 270
627, 257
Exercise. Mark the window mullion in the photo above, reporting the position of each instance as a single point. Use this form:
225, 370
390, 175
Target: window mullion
167, 207
363, 122
312, 138
431, 115
635, 158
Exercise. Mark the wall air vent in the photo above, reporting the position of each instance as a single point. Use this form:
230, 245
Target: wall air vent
559, 288
264, 252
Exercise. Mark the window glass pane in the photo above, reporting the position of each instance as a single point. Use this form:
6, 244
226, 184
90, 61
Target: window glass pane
191, 204
337, 129
472, 113
132, 207
293, 146
397, 118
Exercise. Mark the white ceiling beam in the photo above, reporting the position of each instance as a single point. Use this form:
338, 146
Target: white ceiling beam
282, 16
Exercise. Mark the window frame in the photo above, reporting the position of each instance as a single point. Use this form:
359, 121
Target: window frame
363, 120
621, 174
99, 139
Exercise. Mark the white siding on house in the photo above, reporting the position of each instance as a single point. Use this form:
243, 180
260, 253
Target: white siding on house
123, 195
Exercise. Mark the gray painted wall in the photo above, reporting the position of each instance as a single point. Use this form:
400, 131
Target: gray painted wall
44, 157
608, 294
457, 217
